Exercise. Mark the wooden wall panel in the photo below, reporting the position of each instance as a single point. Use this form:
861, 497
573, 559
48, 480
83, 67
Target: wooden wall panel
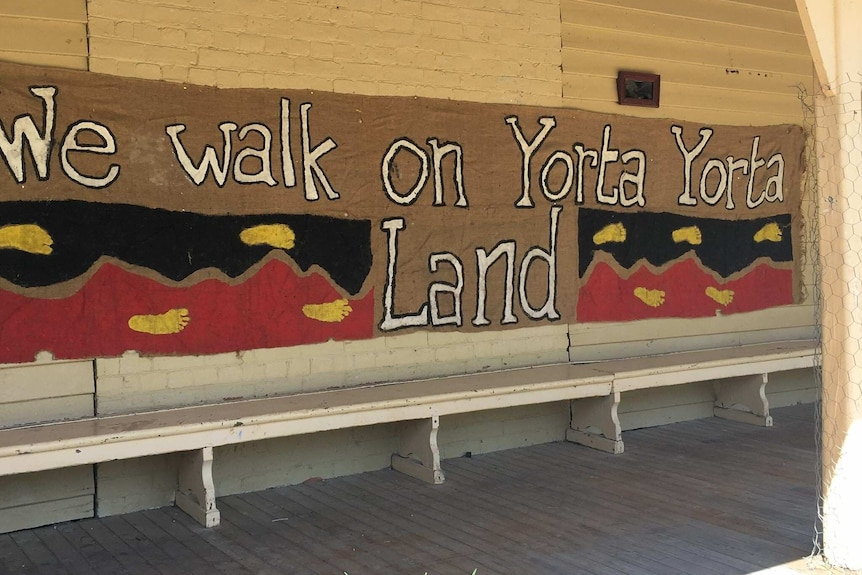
48, 32
599, 341
39, 392
50, 391
46, 409
721, 61
35, 499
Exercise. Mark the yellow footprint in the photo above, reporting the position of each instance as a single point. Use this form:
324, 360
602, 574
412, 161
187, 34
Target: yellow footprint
172, 321
690, 234
332, 312
275, 235
651, 297
723, 297
27, 238
768, 233
610, 233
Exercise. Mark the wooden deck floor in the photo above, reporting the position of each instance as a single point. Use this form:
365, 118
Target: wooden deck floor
709, 496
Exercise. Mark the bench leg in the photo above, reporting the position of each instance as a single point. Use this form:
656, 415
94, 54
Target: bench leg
743, 399
196, 493
419, 455
594, 423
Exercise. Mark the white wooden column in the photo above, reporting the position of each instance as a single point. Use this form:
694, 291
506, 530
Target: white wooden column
832, 28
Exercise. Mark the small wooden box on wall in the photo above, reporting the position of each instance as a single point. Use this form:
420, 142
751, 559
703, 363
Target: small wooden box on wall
638, 89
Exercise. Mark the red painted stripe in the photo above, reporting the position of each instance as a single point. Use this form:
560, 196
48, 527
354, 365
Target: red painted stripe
263, 312
608, 297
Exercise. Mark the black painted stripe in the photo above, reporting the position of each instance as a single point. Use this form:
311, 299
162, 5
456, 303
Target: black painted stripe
175, 244
727, 245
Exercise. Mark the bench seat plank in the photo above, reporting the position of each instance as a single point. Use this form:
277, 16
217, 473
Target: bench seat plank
720, 363
94, 440
739, 374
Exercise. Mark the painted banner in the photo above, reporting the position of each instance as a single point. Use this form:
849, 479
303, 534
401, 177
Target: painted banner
176, 219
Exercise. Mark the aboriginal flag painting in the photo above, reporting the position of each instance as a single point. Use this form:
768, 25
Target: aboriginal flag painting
171, 219
87, 278
647, 265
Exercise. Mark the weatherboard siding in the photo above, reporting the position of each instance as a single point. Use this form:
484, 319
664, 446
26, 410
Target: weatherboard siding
47, 33
720, 61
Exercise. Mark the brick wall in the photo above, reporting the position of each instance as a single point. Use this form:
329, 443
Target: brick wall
503, 51
131, 383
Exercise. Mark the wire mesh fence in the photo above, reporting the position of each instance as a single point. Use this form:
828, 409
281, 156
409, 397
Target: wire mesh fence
832, 189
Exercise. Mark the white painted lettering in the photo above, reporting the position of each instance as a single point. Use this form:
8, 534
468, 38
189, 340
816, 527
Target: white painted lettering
720, 189
732, 166
390, 320
754, 163
608, 155
636, 179
583, 153
310, 158
685, 198
71, 144
439, 288
386, 172
209, 159
23, 128
287, 170
263, 155
485, 260
775, 182
566, 160
527, 151
438, 152
549, 308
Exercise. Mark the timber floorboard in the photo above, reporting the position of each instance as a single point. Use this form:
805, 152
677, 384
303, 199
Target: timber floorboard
710, 497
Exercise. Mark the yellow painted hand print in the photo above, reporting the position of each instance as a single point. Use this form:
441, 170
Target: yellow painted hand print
172, 321
332, 312
611, 233
723, 297
651, 297
275, 235
768, 233
690, 234
28, 238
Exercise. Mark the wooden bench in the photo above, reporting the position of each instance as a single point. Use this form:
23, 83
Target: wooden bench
593, 389
740, 375
194, 431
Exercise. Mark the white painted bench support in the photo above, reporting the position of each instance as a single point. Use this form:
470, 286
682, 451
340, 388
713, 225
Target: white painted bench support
594, 423
196, 493
743, 399
419, 455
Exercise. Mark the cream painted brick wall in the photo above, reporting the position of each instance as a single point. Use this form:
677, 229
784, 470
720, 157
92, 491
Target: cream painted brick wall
502, 51
133, 383
291, 460
496, 429
133, 484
